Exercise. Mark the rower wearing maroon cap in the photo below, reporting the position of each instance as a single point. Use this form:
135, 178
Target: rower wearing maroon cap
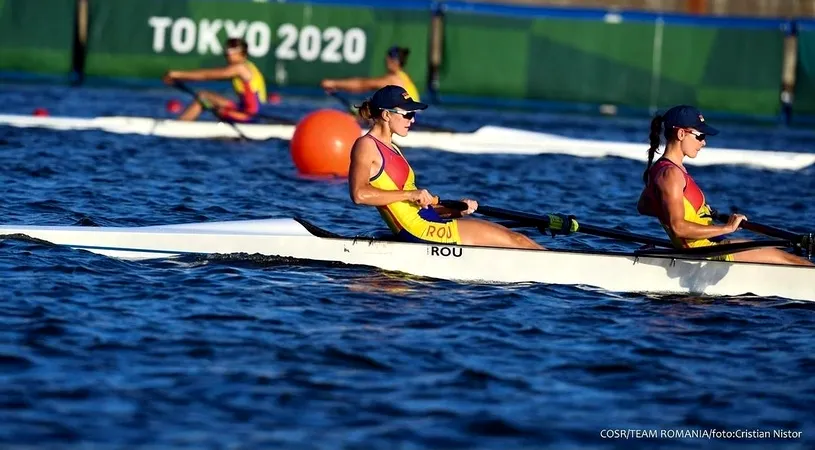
672, 196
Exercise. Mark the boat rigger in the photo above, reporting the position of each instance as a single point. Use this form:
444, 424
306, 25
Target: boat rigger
661, 271
486, 140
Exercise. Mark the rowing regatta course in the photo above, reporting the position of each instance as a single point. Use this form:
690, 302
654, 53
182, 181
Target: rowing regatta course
245, 351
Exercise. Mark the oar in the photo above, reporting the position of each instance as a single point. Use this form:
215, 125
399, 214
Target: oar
802, 243
345, 102
206, 105
556, 223
714, 250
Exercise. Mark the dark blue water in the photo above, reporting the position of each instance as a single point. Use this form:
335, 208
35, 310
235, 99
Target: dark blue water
233, 352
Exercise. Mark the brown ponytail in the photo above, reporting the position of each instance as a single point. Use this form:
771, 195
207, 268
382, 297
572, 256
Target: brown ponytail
368, 112
653, 137
365, 110
403, 55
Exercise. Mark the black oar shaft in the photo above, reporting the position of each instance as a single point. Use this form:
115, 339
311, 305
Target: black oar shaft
764, 229
520, 216
544, 222
617, 234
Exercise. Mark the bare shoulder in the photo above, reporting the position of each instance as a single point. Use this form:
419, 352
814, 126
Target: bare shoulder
670, 178
393, 78
243, 70
363, 147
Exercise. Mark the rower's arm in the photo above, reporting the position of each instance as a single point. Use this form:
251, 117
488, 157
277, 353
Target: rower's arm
219, 73
358, 85
642, 205
670, 184
365, 156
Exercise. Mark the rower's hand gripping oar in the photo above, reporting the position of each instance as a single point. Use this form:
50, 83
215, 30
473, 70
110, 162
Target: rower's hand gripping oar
208, 106
802, 244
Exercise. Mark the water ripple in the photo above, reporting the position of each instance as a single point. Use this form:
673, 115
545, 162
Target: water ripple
247, 351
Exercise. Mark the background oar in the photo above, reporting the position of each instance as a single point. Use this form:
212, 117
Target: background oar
801, 242
206, 105
345, 102
545, 222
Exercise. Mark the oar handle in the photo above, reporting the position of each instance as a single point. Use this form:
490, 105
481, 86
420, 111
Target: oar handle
455, 205
803, 244
763, 229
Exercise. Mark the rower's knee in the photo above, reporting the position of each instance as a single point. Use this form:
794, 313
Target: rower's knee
797, 260
523, 241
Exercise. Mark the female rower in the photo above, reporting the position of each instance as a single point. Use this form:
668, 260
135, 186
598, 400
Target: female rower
395, 61
380, 176
247, 82
671, 195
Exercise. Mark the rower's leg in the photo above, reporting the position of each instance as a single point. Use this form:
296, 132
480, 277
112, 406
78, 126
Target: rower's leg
769, 255
194, 110
484, 233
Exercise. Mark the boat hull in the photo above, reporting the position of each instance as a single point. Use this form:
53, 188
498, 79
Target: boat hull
617, 272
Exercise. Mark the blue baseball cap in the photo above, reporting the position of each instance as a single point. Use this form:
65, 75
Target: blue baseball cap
392, 96
685, 116
393, 52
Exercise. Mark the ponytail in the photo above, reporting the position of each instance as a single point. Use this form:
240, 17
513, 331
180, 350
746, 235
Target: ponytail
365, 110
368, 112
403, 55
653, 137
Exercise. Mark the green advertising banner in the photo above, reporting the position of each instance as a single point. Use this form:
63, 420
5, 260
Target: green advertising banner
606, 58
37, 36
294, 44
804, 99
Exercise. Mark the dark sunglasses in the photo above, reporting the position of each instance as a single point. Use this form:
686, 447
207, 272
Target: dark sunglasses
698, 134
406, 114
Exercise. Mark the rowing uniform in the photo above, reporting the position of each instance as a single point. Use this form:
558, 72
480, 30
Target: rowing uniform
696, 209
251, 94
406, 220
409, 86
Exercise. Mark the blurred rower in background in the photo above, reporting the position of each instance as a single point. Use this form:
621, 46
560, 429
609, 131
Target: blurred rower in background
395, 61
247, 82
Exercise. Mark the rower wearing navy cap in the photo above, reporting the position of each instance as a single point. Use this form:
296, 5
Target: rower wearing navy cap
380, 176
395, 61
672, 196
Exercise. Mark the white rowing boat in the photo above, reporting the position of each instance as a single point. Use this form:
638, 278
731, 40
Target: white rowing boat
612, 271
486, 140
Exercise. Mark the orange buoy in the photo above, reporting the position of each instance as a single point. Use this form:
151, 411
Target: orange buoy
321, 144
174, 106
41, 112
